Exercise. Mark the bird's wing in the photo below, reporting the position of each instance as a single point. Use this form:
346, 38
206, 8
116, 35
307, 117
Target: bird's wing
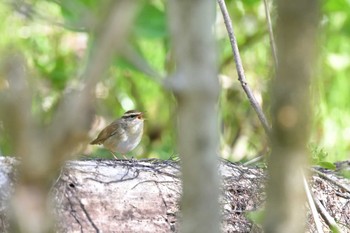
110, 130
116, 130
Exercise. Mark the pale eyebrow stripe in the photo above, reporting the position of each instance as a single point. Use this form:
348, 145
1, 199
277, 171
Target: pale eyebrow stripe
131, 115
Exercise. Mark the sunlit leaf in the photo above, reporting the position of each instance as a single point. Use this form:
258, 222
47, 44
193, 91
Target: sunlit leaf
327, 165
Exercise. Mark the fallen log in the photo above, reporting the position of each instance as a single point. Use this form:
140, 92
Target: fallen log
143, 196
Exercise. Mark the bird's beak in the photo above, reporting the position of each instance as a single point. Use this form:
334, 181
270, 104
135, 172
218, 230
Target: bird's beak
142, 114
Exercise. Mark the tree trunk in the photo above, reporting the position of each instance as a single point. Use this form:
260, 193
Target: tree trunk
196, 87
296, 43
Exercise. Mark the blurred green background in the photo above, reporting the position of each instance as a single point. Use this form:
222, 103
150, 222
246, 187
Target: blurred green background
54, 37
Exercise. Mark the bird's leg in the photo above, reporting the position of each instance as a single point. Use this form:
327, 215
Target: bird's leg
116, 157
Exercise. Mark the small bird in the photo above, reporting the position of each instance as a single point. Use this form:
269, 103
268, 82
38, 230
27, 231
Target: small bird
123, 134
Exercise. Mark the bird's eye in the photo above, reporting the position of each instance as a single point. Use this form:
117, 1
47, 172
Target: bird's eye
139, 117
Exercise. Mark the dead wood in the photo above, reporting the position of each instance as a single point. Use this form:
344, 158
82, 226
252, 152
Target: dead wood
143, 195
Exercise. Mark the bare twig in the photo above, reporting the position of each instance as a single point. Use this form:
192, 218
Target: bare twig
15, 105
327, 217
312, 205
240, 70
271, 35
254, 160
324, 176
15, 100
68, 127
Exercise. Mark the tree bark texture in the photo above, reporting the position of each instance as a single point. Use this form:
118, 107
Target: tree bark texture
291, 113
196, 88
143, 196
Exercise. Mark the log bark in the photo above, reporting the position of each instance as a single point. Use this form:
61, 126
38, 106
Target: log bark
143, 195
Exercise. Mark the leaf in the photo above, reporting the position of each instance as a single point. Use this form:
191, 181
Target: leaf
327, 165
151, 22
256, 216
345, 174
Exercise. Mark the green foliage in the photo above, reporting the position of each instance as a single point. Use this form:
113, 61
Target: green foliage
81, 15
55, 36
319, 157
257, 217
345, 173
334, 229
151, 23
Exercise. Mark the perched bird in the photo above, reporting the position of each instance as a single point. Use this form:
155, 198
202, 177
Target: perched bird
123, 134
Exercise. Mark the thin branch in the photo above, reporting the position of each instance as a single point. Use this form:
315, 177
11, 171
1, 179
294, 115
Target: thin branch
271, 35
75, 113
111, 39
43, 150
324, 176
16, 97
240, 70
315, 205
254, 160
312, 205
327, 217
15, 111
